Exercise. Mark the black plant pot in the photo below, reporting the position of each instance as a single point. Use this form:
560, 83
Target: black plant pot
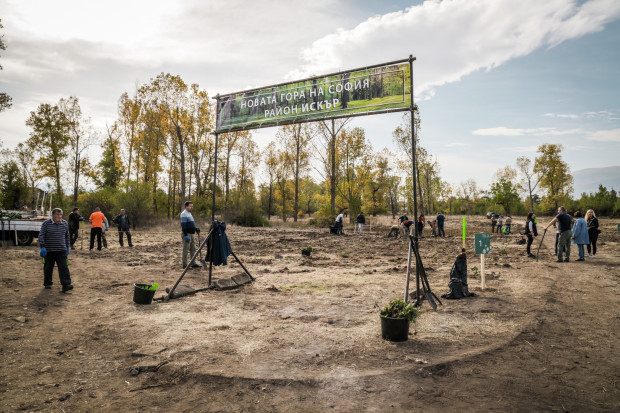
306, 252
394, 329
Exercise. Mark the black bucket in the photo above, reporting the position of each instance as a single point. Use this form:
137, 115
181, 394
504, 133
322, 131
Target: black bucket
142, 296
394, 329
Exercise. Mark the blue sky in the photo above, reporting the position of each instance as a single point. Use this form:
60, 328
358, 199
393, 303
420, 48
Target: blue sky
494, 79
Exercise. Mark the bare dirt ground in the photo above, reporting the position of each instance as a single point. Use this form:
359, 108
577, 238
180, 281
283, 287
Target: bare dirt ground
543, 336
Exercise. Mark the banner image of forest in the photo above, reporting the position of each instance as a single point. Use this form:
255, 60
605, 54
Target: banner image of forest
351, 93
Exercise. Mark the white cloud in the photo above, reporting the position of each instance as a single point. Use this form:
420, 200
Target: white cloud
503, 131
612, 135
561, 115
453, 38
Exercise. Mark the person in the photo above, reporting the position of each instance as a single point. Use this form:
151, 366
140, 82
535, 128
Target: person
96, 219
123, 223
433, 225
361, 221
339, 223
421, 223
507, 225
493, 222
55, 244
74, 225
440, 221
531, 232
500, 224
393, 230
580, 235
564, 228
188, 229
104, 228
406, 227
593, 232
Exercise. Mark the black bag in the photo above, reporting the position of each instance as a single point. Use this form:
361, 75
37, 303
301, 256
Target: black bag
458, 279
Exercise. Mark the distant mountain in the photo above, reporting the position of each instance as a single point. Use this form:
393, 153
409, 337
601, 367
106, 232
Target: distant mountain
588, 180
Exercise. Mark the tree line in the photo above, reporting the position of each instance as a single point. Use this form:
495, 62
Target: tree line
160, 151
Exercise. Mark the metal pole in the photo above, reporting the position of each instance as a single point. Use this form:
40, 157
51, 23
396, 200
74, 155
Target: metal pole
214, 187
413, 174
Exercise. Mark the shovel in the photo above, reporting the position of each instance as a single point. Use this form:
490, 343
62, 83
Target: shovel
541, 241
202, 262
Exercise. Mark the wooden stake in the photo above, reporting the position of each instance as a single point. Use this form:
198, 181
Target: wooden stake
482, 280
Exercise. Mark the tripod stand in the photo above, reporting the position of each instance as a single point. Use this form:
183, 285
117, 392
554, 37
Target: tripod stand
208, 240
421, 277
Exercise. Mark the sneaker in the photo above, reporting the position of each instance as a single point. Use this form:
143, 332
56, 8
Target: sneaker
586, 255
592, 256
566, 259
66, 288
196, 266
559, 261
580, 259
47, 287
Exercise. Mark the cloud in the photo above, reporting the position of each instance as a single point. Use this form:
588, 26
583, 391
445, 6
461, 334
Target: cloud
453, 38
612, 135
561, 115
455, 144
608, 115
503, 131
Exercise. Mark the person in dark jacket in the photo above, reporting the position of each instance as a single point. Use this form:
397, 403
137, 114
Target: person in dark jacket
592, 232
564, 229
74, 225
421, 222
440, 222
361, 221
530, 232
55, 243
123, 223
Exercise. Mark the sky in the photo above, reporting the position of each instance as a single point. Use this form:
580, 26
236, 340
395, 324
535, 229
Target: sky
493, 79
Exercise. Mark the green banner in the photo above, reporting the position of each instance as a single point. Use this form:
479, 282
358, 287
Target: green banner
375, 89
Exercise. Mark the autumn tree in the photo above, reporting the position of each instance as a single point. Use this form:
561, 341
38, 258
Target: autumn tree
530, 178
49, 139
295, 140
328, 134
81, 136
270, 158
557, 180
356, 163
129, 125
504, 190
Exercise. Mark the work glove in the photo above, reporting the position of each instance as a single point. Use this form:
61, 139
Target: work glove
197, 230
68, 250
81, 218
186, 238
43, 252
106, 229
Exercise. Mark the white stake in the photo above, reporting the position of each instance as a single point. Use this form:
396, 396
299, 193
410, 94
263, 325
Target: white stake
482, 270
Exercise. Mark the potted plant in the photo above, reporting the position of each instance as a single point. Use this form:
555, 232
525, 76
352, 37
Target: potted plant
306, 251
395, 320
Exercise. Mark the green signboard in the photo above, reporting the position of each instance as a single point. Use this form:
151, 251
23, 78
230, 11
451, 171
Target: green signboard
374, 89
483, 243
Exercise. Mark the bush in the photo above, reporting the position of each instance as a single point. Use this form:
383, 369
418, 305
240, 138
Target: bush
398, 308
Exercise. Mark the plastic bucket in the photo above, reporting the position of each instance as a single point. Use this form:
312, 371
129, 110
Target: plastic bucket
142, 296
394, 329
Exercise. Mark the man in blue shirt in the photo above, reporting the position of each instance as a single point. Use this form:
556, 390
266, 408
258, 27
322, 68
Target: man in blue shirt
564, 222
55, 242
440, 220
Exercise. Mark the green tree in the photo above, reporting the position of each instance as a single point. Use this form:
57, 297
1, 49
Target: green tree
49, 139
557, 180
329, 133
356, 168
13, 186
110, 168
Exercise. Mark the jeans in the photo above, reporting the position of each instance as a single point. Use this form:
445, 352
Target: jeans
440, 230
360, 228
73, 232
60, 259
581, 249
530, 239
593, 234
189, 248
394, 231
120, 237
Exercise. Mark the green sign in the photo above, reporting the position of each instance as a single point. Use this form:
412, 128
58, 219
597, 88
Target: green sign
483, 243
374, 89
618, 227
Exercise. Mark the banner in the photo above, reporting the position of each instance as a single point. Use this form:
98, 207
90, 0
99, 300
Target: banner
374, 89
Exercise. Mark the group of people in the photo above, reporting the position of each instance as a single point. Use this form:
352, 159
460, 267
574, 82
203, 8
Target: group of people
498, 225
99, 226
578, 230
405, 225
57, 238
